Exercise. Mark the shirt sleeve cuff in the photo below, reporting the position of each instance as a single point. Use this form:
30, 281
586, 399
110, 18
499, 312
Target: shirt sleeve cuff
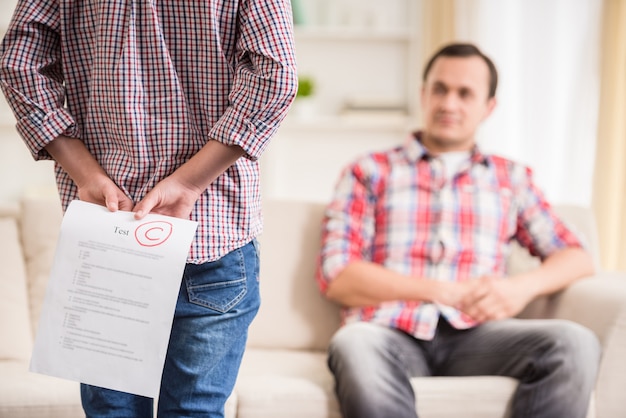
38, 129
251, 135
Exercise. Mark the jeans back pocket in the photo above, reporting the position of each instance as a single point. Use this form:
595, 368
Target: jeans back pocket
218, 285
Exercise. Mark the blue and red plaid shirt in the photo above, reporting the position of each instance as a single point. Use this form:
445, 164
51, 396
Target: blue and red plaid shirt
145, 84
398, 209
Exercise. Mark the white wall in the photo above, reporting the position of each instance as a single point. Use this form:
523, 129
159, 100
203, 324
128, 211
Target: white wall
6, 11
304, 161
20, 174
363, 56
305, 158
547, 54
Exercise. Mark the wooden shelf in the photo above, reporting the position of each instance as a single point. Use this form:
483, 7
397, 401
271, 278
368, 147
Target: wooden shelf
340, 123
322, 33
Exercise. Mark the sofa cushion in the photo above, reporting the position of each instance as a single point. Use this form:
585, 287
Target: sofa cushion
28, 395
14, 315
467, 397
285, 384
293, 383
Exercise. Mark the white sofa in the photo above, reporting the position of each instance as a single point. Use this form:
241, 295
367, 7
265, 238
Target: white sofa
284, 373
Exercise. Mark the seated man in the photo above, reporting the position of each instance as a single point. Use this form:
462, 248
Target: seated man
414, 248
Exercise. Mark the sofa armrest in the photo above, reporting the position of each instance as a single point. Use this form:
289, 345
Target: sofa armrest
599, 303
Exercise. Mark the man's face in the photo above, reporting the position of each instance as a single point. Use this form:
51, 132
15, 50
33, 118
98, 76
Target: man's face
455, 101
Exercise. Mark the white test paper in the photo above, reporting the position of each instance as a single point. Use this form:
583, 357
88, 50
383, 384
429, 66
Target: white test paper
110, 300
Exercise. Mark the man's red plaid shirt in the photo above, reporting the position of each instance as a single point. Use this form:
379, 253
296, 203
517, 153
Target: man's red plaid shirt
397, 209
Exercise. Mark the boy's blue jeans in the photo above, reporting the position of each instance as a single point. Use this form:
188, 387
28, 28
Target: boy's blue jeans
216, 304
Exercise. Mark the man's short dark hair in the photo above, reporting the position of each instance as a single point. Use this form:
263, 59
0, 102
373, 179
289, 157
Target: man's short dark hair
465, 50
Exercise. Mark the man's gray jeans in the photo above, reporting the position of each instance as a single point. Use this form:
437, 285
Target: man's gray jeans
556, 362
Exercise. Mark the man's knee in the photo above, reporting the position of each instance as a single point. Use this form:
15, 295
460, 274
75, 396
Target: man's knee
370, 374
360, 343
357, 334
574, 347
575, 338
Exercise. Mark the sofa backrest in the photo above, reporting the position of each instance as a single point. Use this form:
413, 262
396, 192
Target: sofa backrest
40, 221
293, 314
578, 219
28, 236
16, 341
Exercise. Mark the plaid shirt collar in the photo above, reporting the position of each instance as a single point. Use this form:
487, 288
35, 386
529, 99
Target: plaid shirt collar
416, 151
